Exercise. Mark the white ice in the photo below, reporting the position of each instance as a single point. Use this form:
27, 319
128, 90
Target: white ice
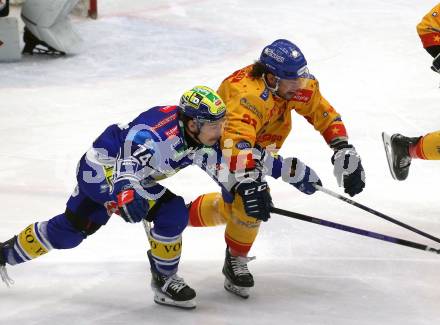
141, 53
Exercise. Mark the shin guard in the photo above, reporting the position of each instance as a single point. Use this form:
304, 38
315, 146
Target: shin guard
28, 245
165, 252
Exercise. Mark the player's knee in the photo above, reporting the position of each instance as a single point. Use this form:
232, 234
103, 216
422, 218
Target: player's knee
172, 217
61, 233
80, 223
182, 214
207, 210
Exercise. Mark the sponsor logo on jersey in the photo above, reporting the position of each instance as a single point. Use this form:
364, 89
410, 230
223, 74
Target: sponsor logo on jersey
165, 121
237, 76
172, 131
302, 95
265, 94
269, 138
244, 101
243, 145
167, 109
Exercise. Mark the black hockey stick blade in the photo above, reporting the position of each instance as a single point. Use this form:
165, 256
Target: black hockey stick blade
377, 213
355, 230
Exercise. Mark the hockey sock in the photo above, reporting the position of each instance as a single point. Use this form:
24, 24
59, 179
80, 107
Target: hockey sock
29, 244
427, 147
165, 252
415, 150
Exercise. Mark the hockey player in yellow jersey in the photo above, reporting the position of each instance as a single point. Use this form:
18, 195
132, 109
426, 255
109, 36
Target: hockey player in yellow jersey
400, 150
260, 98
429, 33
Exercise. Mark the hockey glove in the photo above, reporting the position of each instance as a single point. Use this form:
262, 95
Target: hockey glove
132, 206
303, 177
256, 199
348, 168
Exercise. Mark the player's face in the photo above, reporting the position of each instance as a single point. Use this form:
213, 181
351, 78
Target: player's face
210, 132
288, 87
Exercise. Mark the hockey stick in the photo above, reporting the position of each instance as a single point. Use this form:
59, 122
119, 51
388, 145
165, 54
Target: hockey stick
354, 230
377, 213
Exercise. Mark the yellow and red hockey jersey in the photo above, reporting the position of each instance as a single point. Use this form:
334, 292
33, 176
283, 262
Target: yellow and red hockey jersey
256, 117
429, 28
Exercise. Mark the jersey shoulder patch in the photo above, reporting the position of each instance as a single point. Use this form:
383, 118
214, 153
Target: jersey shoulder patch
265, 94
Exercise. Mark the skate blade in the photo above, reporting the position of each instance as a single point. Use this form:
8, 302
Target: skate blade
242, 292
389, 152
162, 299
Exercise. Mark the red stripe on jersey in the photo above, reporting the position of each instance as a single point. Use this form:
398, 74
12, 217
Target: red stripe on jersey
167, 109
335, 130
195, 213
430, 39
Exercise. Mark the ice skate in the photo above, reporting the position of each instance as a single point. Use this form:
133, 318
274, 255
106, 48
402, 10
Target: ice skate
396, 149
3, 272
238, 279
172, 290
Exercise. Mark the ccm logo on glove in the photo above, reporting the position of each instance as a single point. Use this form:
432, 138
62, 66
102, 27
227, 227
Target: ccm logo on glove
259, 188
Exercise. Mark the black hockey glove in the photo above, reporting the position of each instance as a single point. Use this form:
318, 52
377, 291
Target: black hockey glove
303, 177
256, 199
132, 206
348, 168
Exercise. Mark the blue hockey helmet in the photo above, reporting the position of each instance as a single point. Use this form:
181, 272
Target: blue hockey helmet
203, 104
284, 60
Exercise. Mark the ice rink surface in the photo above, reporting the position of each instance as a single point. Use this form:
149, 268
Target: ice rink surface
142, 53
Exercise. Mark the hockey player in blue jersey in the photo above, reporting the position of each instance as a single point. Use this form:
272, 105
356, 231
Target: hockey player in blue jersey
119, 174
